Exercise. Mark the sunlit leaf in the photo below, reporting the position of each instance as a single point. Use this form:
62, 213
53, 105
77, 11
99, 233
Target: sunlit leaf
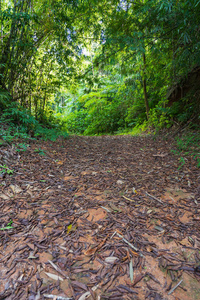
69, 228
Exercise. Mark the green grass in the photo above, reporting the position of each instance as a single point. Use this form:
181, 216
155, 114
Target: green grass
188, 144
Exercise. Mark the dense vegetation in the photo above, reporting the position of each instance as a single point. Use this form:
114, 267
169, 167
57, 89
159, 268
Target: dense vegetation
93, 67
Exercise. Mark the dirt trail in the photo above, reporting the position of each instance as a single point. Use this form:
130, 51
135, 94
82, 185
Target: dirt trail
100, 218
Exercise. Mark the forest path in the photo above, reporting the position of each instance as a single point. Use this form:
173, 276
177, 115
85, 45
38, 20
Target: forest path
110, 217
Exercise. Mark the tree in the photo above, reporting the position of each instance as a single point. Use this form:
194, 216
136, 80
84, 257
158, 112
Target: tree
34, 43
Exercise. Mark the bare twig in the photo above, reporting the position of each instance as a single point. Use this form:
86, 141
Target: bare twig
173, 289
172, 198
128, 199
153, 197
107, 209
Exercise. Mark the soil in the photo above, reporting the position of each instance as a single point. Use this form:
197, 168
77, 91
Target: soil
110, 217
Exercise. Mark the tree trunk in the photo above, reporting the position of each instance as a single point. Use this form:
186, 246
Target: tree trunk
145, 87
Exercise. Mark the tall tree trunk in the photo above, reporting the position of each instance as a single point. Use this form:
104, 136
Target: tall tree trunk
145, 87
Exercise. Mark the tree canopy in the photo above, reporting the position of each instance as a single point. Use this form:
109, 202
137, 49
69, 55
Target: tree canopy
100, 66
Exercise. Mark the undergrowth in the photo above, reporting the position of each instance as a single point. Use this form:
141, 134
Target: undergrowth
188, 144
17, 123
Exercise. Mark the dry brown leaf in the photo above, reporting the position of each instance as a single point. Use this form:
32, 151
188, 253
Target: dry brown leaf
87, 294
53, 276
16, 189
65, 286
90, 251
4, 197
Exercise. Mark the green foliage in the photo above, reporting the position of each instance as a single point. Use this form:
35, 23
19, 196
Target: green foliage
189, 144
76, 122
160, 117
8, 226
97, 113
19, 116
98, 67
11, 132
181, 162
4, 98
21, 147
198, 160
40, 151
18, 123
4, 169
51, 134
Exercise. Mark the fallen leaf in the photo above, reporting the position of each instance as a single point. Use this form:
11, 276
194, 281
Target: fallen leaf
53, 276
111, 259
158, 228
91, 251
4, 197
69, 228
16, 189
32, 257
87, 294
79, 285
131, 270
65, 286
120, 182
114, 207
134, 191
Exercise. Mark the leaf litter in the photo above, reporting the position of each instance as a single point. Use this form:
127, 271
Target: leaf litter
99, 218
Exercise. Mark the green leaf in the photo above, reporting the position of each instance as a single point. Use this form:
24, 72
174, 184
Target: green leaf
6, 228
69, 228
